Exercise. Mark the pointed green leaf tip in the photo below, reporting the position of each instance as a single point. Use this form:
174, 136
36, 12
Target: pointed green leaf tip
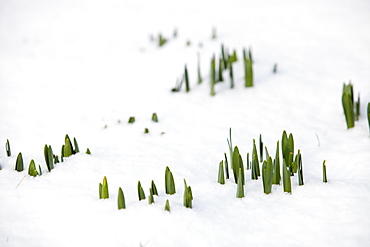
19, 163
240, 187
49, 159
324, 177
131, 120
32, 169
169, 182
76, 150
140, 192
103, 189
167, 206
68, 149
154, 117
186, 76
88, 151
154, 188
267, 176
287, 184
188, 196
348, 105
7, 148
248, 70
151, 197
221, 174
121, 199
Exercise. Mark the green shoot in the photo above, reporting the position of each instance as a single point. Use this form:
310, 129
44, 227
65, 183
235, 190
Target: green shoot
146, 131
213, 76
220, 70
140, 192
155, 117
226, 166
300, 169
224, 60
103, 188
76, 149
188, 196
131, 120
88, 151
261, 148
151, 197
40, 171
357, 108
324, 177
235, 163
186, 76
347, 103
167, 206
48, 154
240, 187
221, 175
121, 199
19, 163
248, 70
267, 175
231, 74
199, 74
248, 162
276, 167
7, 148
169, 182
154, 189
32, 169
287, 184
230, 144
161, 40
68, 148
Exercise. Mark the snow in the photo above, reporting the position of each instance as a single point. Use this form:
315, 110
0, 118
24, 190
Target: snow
74, 67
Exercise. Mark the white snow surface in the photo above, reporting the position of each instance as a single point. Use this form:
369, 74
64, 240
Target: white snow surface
74, 67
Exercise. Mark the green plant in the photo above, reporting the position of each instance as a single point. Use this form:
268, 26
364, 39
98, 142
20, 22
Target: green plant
67, 149
226, 167
357, 108
186, 77
188, 196
213, 76
267, 175
48, 155
324, 177
199, 74
32, 169
88, 151
240, 187
255, 173
161, 40
151, 197
154, 188
220, 70
231, 74
248, 70
230, 144
146, 131
121, 199
287, 148
276, 166
167, 206
7, 148
140, 191
237, 163
287, 184
76, 149
40, 171
347, 103
169, 182
221, 175
154, 117
103, 189
19, 163
300, 169
131, 120
261, 148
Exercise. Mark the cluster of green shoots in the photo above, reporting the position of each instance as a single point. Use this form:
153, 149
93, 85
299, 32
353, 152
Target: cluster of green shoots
219, 66
272, 173
131, 120
161, 40
170, 189
351, 108
51, 159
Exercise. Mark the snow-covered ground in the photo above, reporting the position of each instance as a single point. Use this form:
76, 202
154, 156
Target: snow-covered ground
84, 67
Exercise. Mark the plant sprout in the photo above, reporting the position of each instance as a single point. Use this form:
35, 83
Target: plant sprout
140, 191
19, 163
154, 117
169, 182
121, 199
167, 206
221, 175
7, 148
32, 169
103, 189
347, 103
324, 177
240, 187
